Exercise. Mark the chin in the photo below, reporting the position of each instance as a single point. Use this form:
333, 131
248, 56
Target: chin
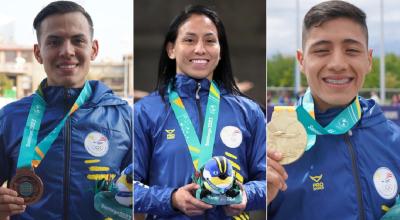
197, 75
340, 102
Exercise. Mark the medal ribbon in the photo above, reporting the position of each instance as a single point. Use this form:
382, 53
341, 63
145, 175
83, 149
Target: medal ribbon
31, 154
340, 124
200, 152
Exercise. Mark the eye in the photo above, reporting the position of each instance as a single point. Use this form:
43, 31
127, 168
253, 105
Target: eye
321, 51
353, 51
188, 40
53, 42
78, 41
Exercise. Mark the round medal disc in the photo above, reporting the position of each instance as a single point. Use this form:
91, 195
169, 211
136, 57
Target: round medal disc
28, 185
286, 135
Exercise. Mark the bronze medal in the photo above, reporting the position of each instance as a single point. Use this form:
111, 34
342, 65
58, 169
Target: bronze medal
28, 185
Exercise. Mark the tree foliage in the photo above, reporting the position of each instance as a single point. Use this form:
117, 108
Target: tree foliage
5, 83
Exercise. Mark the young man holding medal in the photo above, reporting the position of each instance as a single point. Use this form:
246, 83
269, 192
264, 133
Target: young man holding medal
351, 164
56, 143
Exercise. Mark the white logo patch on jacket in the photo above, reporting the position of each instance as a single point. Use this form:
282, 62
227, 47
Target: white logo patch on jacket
385, 183
96, 144
231, 136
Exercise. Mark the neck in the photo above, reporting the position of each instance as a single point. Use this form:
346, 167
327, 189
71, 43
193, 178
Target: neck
66, 85
323, 106
209, 77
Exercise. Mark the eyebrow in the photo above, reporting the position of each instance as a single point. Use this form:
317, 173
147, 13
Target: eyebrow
321, 42
58, 36
194, 34
327, 42
352, 41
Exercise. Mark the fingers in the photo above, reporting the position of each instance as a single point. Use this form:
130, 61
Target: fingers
276, 174
12, 208
275, 179
277, 167
6, 199
183, 200
191, 187
192, 200
237, 209
6, 191
230, 211
10, 204
240, 206
192, 210
273, 154
199, 204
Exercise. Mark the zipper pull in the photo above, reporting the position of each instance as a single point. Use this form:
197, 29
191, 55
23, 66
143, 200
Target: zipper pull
350, 133
198, 90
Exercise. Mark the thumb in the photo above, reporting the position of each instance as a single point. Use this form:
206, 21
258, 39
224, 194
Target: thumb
190, 187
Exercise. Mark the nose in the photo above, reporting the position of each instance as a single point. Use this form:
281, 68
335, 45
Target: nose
199, 48
67, 49
337, 61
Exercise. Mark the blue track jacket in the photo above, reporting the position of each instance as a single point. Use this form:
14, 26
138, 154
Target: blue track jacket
96, 140
162, 161
344, 177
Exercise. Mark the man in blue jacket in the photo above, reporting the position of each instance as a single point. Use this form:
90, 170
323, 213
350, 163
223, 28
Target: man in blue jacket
77, 131
349, 171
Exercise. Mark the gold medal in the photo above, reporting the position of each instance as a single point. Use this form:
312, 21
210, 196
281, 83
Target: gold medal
28, 185
286, 134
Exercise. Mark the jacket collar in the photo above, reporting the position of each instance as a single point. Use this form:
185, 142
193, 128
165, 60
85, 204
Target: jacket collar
371, 114
61, 96
186, 86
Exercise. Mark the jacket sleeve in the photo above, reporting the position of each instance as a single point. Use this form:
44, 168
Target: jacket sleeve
4, 161
154, 200
127, 160
256, 187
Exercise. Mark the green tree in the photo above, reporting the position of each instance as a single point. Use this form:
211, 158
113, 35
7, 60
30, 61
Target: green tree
5, 83
280, 71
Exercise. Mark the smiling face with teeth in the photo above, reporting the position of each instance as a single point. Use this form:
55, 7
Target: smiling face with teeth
196, 48
65, 49
335, 60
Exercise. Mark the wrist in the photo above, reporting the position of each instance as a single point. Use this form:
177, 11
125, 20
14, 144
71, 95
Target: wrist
173, 201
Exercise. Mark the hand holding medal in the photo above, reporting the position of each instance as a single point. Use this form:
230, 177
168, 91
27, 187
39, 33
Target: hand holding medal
10, 203
26, 183
286, 134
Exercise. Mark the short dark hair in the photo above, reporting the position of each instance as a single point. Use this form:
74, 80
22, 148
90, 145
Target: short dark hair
167, 67
60, 7
329, 10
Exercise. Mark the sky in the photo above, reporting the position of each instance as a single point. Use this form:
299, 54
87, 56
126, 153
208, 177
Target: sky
113, 24
281, 24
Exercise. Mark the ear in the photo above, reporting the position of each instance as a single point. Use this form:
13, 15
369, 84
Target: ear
95, 50
370, 60
300, 59
171, 50
36, 52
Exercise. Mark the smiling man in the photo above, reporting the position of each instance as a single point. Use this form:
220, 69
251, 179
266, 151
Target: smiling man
351, 166
56, 143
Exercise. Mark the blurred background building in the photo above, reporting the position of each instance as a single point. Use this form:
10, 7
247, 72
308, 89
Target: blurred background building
245, 29
20, 73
